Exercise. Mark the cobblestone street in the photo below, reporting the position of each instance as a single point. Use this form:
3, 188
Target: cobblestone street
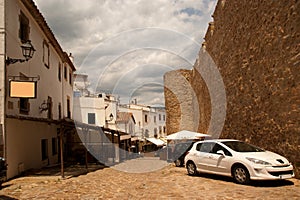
169, 182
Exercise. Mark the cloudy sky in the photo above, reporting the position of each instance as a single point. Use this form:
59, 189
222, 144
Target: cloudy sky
126, 46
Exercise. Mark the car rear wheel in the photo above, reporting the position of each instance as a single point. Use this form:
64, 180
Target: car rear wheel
191, 168
178, 163
241, 174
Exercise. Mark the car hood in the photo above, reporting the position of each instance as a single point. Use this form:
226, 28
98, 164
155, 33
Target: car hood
273, 158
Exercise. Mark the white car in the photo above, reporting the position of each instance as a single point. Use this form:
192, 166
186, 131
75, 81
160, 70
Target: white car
242, 161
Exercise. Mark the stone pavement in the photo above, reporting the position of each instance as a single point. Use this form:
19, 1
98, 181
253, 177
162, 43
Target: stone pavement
141, 165
168, 182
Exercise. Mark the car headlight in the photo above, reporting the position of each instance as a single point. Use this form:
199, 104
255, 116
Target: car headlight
257, 161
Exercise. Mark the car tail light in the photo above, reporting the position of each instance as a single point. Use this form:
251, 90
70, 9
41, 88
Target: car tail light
187, 153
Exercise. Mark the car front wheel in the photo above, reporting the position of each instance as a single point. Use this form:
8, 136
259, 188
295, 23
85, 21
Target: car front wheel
191, 168
241, 174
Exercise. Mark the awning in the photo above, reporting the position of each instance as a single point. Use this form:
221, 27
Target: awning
164, 140
125, 137
156, 141
182, 135
134, 138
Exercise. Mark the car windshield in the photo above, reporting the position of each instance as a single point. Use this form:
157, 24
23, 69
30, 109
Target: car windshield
242, 146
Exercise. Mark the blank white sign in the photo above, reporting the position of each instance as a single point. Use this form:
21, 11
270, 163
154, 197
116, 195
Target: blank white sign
22, 89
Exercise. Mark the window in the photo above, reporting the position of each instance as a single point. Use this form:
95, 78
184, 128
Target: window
24, 106
76, 94
59, 111
164, 129
65, 72
70, 78
211, 147
146, 133
242, 146
68, 107
146, 118
54, 146
24, 28
218, 147
159, 117
46, 54
44, 149
154, 119
91, 118
49, 102
206, 147
164, 117
59, 71
160, 130
198, 147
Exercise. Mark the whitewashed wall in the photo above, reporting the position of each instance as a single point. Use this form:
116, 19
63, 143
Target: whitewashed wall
49, 84
85, 105
23, 137
139, 112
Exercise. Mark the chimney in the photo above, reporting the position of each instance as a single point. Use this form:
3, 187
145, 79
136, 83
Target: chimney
71, 57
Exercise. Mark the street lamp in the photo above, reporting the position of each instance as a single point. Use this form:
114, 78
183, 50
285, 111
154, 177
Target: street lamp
45, 106
111, 117
27, 51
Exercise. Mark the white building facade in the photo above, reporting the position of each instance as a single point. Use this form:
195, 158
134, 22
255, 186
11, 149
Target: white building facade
94, 109
30, 127
100, 110
126, 123
150, 121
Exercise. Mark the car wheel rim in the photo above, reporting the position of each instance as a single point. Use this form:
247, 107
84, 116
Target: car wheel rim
191, 168
240, 175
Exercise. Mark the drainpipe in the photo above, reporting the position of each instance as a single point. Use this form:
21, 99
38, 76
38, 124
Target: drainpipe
3, 31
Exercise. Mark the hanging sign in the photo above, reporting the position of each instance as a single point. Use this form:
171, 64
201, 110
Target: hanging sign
22, 89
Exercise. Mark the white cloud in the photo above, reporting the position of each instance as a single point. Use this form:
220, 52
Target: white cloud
129, 42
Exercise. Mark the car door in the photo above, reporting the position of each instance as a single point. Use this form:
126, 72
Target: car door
204, 159
198, 157
221, 163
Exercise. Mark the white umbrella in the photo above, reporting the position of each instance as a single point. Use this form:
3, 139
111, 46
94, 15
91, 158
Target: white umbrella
181, 135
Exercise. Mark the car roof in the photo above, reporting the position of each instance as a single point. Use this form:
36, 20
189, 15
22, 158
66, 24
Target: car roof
219, 140
185, 143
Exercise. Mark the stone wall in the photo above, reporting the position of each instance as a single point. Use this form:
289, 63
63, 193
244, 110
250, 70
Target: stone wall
256, 47
176, 88
203, 100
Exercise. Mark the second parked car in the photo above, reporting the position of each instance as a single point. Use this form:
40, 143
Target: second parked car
242, 161
180, 151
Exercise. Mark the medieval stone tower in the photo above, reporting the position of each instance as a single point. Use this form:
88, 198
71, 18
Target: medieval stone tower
255, 93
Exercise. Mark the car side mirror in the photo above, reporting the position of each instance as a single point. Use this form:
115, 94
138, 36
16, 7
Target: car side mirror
221, 152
